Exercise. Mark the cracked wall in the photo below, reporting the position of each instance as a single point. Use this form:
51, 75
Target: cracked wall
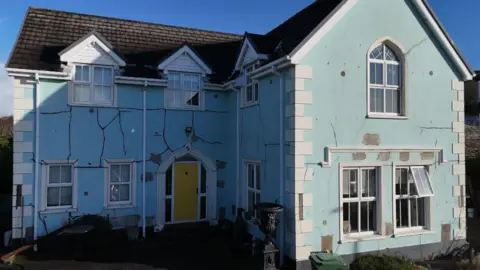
339, 119
89, 136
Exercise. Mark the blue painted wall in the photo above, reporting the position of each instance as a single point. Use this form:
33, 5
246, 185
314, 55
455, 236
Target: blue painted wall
339, 115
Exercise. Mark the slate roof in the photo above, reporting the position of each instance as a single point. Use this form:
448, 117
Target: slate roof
143, 45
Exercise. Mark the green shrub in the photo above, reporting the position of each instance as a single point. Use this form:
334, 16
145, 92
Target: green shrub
381, 262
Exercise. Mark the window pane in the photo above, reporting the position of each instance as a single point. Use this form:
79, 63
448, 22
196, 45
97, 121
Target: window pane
377, 53
258, 177
251, 176
53, 196
393, 74
368, 216
376, 73
114, 193
376, 100
391, 100
251, 202
103, 94
350, 183
125, 173
78, 73
350, 217
168, 210
249, 93
390, 55
255, 91
401, 178
174, 80
86, 73
368, 183
195, 82
417, 211
346, 184
353, 183
54, 175
66, 174
98, 75
114, 173
81, 93
107, 76
203, 207
168, 182
422, 181
124, 192
66, 196
401, 206
203, 180
191, 98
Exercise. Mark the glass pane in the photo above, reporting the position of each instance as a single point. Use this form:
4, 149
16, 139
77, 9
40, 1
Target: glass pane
390, 55
168, 182
66, 174
66, 196
401, 178
351, 216
86, 73
249, 92
377, 53
203, 180
255, 91
346, 184
257, 200
353, 183
195, 82
107, 76
192, 98
114, 173
98, 75
251, 202
391, 100
376, 100
393, 74
125, 173
81, 93
401, 206
103, 94
422, 181
124, 192
53, 196
368, 216
417, 211
258, 177
368, 183
78, 73
114, 193
251, 176
203, 207
54, 175
376, 73
168, 210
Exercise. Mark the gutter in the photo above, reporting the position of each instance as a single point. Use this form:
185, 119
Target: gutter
37, 159
30, 73
267, 67
281, 161
144, 152
238, 152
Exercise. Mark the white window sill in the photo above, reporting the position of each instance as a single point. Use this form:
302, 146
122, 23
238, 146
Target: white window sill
401, 233
92, 105
58, 210
386, 116
119, 206
351, 239
249, 104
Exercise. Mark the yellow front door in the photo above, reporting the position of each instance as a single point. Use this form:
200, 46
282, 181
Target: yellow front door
186, 189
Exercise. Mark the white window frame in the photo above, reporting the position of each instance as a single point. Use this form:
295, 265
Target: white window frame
133, 183
428, 214
182, 93
256, 165
45, 184
402, 109
91, 84
252, 83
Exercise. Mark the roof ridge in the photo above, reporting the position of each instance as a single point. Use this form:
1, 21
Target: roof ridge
30, 9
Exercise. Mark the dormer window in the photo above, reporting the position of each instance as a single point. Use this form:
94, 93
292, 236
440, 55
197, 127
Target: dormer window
92, 85
251, 87
184, 91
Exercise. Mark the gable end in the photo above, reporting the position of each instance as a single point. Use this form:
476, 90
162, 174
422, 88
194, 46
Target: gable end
185, 59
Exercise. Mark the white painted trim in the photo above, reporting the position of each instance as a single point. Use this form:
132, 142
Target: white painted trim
271, 67
67, 54
373, 149
45, 171
239, 63
211, 192
133, 183
91, 85
185, 49
245, 187
321, 30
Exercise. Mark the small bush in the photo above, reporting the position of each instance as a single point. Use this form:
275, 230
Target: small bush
382, 262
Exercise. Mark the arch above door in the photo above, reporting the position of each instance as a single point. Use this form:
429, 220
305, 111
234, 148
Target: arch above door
211, 183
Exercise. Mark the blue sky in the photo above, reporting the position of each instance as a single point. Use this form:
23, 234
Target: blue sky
235, 16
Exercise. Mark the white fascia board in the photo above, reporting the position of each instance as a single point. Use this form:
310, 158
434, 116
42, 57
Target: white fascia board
187, 50
246, 44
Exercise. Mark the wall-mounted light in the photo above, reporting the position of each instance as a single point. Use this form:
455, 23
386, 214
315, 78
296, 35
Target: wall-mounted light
188, 131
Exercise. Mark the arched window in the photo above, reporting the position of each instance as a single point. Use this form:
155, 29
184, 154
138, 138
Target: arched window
385, 84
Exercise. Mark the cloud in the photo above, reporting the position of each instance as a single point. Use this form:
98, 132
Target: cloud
6, 92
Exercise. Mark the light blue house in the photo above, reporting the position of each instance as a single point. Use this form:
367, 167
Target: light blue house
350, 114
